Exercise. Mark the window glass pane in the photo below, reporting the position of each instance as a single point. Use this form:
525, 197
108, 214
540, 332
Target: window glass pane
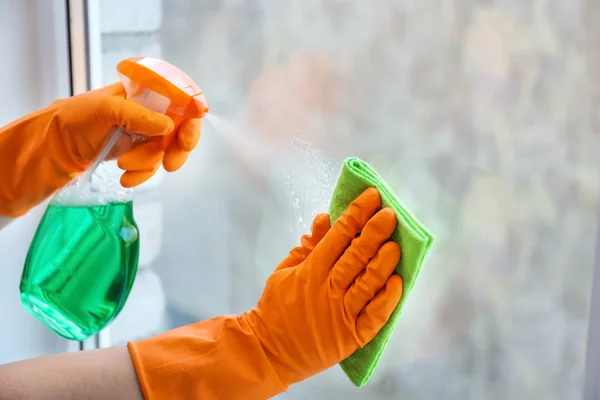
480, 114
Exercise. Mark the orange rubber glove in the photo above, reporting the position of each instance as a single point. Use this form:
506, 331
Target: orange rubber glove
43, 151
329, 297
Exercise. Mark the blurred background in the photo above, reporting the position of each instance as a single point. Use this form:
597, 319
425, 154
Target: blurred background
481, 114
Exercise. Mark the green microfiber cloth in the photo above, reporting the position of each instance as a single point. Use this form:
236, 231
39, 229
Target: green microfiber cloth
414, 240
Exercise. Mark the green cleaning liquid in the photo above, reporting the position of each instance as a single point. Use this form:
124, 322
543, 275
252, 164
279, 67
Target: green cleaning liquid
80, 267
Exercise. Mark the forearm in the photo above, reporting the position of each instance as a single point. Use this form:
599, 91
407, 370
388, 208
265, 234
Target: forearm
219, 358
90, 375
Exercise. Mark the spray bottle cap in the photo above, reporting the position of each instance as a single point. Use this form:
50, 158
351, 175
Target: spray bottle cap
162, 87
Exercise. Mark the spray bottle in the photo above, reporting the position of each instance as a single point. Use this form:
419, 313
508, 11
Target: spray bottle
83, 259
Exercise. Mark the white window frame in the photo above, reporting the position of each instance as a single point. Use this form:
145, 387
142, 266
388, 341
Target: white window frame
86, 74
591, 388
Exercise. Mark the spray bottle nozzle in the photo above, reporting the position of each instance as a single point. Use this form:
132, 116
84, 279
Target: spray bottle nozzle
162, 87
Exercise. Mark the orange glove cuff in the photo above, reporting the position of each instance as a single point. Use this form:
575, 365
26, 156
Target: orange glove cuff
34, 164
220, 358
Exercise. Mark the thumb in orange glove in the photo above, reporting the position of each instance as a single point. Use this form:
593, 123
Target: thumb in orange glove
329, 297
43, 151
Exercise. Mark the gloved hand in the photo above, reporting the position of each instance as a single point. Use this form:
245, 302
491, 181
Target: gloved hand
329, 297
43, 151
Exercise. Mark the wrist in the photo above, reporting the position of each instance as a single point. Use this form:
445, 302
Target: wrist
35, 158
272, 352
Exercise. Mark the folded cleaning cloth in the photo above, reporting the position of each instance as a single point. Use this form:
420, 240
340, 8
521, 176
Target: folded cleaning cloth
414, 240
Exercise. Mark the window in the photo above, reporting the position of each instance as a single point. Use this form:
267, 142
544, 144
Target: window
480, 114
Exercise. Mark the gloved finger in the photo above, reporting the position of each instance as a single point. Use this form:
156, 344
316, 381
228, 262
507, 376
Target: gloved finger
187, 137
374, 316
131, 179
145, 157
113, 89
174, 158
354, 260
345, 229
319, 228
372, 279
188, 134
134, 117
